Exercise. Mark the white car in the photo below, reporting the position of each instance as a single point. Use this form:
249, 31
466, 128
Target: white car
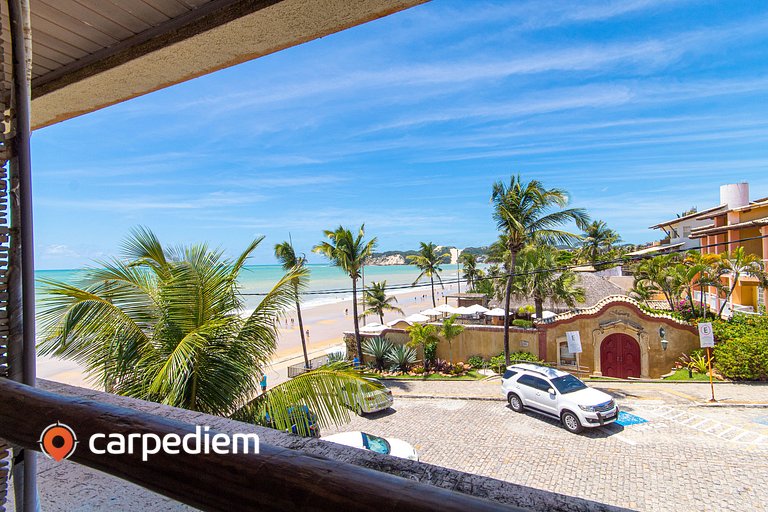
363, 441
557, 394
372, 401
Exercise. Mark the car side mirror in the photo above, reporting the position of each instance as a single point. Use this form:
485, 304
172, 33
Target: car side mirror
551, 391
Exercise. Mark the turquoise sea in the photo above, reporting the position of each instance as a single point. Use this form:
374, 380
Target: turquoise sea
259, 279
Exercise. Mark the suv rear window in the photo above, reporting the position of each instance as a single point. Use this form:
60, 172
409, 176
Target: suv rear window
534, 382
509, 374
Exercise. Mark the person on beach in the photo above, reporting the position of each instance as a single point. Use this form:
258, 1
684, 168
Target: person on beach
346, 311
307, 333
292, 323
264, 383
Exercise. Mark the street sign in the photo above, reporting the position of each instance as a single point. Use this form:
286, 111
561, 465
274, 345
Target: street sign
706, 336
574, 342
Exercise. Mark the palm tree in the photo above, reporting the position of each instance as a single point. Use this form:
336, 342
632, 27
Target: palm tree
450, 330
428, 261
537, 278
348, 252
597, 241
528, 213
471, 272
166, 326
426, 336
375, 297
286, 255
739, 263
660, 274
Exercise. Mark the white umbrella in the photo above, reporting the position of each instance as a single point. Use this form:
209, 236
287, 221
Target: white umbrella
495, 312
445, 308
461, 310
374, 328
477, 308
431, 312
417, 318
544, 315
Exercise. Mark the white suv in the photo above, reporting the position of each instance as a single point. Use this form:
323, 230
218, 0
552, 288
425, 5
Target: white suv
557, 394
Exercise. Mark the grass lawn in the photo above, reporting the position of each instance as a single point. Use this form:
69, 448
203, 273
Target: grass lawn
682, 374
471, 375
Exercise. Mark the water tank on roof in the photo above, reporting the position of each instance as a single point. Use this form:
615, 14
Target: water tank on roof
735, 195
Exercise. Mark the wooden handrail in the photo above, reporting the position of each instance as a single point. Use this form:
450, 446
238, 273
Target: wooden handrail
277, 479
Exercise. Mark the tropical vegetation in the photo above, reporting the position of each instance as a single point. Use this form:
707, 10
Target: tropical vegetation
528, 213
286, 255
348, 252
166, 325
428, 260
597, 243
377, 302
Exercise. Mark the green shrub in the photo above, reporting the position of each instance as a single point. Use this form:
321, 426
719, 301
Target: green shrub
743, 359
526, 310
378, 348
527, 324
401, 357
498, 363
476, 361
741, 351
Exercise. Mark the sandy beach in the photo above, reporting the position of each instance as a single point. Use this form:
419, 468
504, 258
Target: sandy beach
326, 324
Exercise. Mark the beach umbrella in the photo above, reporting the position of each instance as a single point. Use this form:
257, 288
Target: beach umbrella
544, 315
461, 310
431, 312
477, 308
416, 318
495, 312
445, 308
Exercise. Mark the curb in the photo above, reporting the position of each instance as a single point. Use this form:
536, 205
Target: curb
500, 399
735, 406
433, 397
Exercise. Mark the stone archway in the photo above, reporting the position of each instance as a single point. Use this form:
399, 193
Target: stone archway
620, 356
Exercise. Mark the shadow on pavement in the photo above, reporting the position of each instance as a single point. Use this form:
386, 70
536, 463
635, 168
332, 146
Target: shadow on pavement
591, 433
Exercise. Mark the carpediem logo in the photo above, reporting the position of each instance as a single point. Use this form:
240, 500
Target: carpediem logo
58, 441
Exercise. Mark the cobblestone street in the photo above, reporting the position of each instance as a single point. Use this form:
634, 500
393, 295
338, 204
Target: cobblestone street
685, 457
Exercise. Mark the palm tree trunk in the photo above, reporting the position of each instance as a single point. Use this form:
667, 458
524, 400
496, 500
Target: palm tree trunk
507, 295
301, 330
432, 282
381, 317
539, 303
730, 292
358, 345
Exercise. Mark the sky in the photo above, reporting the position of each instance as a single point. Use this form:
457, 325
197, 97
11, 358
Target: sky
639, 109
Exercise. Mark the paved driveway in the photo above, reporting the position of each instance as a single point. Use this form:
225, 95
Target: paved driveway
683, 458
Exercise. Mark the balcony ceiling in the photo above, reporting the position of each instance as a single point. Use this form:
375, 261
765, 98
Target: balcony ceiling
88, 54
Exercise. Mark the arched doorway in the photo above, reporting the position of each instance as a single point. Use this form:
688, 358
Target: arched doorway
620, 356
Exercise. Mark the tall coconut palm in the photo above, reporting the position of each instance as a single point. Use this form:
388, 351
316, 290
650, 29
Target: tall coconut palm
597, 241
348, 252
737, 264
537, 278
286, 255
166, 325
660, 274
526, 213
375, 298
450, 330
471, 272
428, 261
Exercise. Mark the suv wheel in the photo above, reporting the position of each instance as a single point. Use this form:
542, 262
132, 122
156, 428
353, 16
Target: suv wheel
571, 422
515, 403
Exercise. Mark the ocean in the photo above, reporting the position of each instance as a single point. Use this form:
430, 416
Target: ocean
259, 279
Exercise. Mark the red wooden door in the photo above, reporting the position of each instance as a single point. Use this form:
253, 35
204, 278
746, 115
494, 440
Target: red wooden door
620, 356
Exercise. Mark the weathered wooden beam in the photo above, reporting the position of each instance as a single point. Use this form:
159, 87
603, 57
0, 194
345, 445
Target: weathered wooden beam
277, 479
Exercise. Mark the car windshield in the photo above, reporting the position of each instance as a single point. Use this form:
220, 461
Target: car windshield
568, 384
375, 443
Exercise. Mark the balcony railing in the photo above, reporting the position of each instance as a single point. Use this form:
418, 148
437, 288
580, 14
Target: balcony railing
277, 479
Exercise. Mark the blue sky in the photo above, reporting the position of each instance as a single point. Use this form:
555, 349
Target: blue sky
639, 109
